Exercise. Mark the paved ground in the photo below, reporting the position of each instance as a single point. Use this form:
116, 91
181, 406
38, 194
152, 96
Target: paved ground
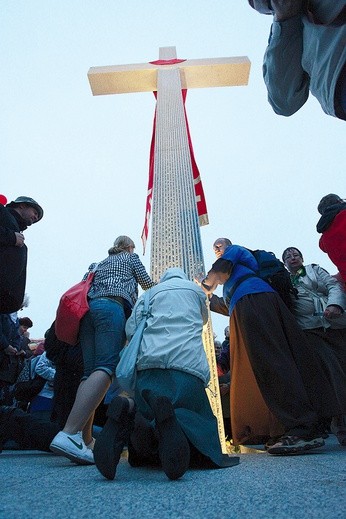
41, 485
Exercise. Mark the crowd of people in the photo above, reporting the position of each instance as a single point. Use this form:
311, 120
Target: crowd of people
281, 370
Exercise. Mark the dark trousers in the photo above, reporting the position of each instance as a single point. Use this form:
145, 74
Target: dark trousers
287, 373
28, 431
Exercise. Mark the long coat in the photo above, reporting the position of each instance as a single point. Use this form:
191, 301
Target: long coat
13, 261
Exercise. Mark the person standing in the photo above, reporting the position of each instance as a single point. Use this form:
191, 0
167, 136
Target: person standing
113, 293
15, 218
320, 312
275, 381
332, 226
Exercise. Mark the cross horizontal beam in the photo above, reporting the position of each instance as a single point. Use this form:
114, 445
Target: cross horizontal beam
194, 73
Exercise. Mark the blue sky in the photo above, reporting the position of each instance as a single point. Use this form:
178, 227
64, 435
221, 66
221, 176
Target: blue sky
85, 158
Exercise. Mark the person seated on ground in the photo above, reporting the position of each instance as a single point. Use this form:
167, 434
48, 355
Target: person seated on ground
113, 292
332, 226
276, 381
42, 403
320, 312
28, 431
174, 421
28, 384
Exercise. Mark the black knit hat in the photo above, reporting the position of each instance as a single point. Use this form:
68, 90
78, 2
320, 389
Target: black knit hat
327, 201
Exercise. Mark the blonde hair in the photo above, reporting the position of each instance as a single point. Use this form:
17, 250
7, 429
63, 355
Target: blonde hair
121, 244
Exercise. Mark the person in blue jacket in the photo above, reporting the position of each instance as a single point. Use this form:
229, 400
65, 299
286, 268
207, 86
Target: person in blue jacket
274, 374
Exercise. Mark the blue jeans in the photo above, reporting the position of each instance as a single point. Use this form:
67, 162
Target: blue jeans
102, 336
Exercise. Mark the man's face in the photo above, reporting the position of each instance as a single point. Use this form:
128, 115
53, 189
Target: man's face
28, 213
219, 248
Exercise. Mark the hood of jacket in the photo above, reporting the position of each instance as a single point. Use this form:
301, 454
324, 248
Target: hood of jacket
173, 272
328, 216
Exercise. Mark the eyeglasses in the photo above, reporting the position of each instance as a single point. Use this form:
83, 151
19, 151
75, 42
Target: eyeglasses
218, 247
292, 256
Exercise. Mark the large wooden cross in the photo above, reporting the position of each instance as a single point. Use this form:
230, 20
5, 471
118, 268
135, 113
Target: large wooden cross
175, 188
194, 73
178, 193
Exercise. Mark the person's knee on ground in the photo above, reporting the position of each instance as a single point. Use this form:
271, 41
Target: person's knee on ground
174, 450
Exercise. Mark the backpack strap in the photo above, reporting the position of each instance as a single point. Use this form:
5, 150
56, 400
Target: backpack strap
239, 282
253, 274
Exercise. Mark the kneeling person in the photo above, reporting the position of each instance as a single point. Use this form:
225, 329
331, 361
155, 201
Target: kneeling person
170, 419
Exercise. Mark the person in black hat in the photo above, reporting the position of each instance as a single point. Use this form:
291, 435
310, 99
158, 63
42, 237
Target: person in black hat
332, 226
15, 217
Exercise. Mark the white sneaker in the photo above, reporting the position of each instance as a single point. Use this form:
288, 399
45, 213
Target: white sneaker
72, 447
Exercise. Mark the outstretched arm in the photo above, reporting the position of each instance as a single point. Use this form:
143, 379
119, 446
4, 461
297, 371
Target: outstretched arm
287, 82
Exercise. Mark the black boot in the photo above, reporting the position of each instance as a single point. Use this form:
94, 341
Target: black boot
114, 436
174, 450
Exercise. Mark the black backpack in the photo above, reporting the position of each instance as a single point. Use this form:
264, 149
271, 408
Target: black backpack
273, 271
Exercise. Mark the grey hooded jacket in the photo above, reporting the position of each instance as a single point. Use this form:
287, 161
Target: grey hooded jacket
317, 290
172, 338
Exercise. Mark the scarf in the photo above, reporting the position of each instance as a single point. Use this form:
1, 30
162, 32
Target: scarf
299, 274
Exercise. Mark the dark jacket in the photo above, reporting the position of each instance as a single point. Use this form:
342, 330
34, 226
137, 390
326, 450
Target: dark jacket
68, 362
13, 261
10, 365
9, 334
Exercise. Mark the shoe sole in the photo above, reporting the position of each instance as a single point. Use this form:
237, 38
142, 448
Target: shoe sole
111, 440
61, 452
286, 450
174, 450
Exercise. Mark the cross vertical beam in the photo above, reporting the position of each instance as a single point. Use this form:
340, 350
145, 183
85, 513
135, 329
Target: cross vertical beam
176, 239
